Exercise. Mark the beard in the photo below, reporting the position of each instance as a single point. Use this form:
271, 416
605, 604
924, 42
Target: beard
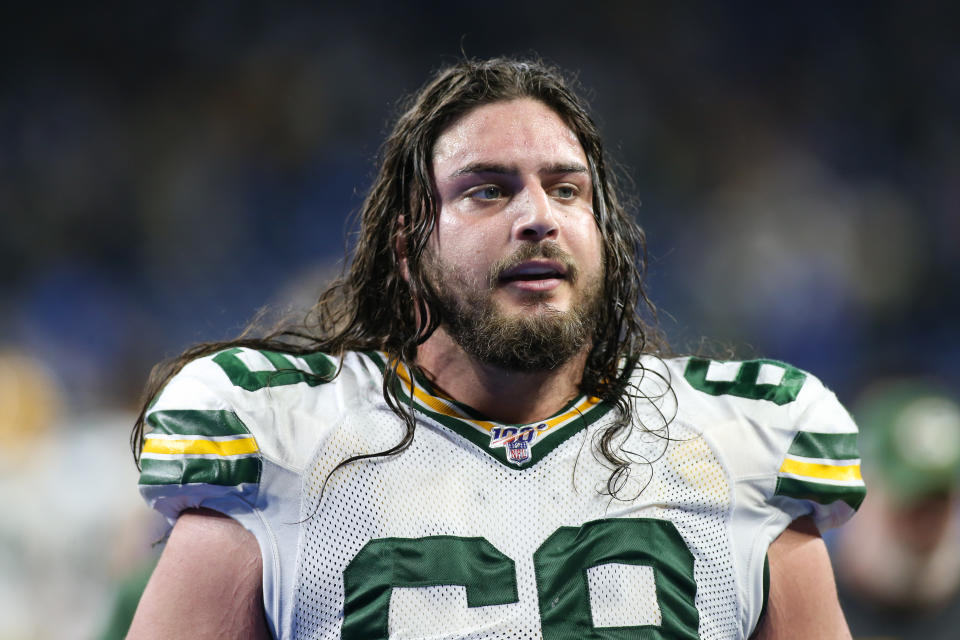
541, 339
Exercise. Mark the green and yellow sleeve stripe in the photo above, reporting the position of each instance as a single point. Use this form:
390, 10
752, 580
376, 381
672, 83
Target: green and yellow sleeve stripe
222, 446
823, 468
199, 447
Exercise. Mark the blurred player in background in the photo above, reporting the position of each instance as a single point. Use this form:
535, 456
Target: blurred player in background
55, 461
475, 434
899, 561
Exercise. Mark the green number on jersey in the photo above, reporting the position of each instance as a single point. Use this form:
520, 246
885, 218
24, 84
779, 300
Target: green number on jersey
770, 380
562, 561
561, 565
284, 373
488, 576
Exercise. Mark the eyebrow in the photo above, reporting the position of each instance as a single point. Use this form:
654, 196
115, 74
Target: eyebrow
492, 167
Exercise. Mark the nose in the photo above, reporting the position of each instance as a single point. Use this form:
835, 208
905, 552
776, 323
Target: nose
536, 219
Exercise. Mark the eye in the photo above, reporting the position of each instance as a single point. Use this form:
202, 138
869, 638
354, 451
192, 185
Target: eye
486, 192
564, 191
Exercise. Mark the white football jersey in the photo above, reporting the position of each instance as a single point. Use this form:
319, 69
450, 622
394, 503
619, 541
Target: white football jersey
486, 530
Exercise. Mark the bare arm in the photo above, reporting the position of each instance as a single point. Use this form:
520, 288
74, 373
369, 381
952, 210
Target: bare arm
803, 595
206, 585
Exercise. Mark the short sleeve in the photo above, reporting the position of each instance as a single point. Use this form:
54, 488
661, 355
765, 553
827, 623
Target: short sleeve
819, 474
196, 449
784, 433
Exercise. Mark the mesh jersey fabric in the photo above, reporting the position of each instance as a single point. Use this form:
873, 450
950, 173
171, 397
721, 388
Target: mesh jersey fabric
491, 531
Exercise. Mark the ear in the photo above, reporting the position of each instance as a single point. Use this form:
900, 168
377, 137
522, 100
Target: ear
400, 247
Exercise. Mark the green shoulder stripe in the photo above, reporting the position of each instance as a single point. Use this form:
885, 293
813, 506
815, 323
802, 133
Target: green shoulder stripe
832, 446
821, 493
227, 472
184, 422
284, 371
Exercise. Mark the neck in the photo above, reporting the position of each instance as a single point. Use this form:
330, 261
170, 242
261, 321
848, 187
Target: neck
504, 396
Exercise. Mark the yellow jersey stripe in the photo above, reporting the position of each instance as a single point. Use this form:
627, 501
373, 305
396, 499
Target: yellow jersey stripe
582, 406
190, 446
821, 471
437, 404
440, 406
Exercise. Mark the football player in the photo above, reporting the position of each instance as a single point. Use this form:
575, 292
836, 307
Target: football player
475, 434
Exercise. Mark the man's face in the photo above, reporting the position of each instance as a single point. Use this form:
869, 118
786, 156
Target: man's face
516, 256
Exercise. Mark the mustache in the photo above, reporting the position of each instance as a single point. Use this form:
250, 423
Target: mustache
530, 251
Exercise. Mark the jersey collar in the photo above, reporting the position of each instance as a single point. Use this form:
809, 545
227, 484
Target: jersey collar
514, 445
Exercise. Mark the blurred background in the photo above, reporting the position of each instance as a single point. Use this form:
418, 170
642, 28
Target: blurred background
166, 169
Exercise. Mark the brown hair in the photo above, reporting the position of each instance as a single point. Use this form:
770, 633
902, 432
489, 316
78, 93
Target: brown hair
371, 306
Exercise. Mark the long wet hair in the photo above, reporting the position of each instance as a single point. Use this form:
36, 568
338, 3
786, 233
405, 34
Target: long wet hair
372, 306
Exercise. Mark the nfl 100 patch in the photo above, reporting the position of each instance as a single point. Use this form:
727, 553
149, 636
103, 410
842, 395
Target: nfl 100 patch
517, 441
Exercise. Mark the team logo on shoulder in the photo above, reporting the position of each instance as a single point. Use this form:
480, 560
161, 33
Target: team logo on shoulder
518, 441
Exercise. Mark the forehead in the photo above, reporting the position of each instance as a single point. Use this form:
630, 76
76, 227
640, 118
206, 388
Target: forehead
516, 132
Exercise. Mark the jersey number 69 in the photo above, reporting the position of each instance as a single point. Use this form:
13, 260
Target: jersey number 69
561, 564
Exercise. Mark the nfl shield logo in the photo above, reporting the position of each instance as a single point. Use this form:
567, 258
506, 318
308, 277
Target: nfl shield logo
518, 451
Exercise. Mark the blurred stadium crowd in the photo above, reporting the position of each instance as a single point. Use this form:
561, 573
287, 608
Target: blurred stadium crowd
167, 169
